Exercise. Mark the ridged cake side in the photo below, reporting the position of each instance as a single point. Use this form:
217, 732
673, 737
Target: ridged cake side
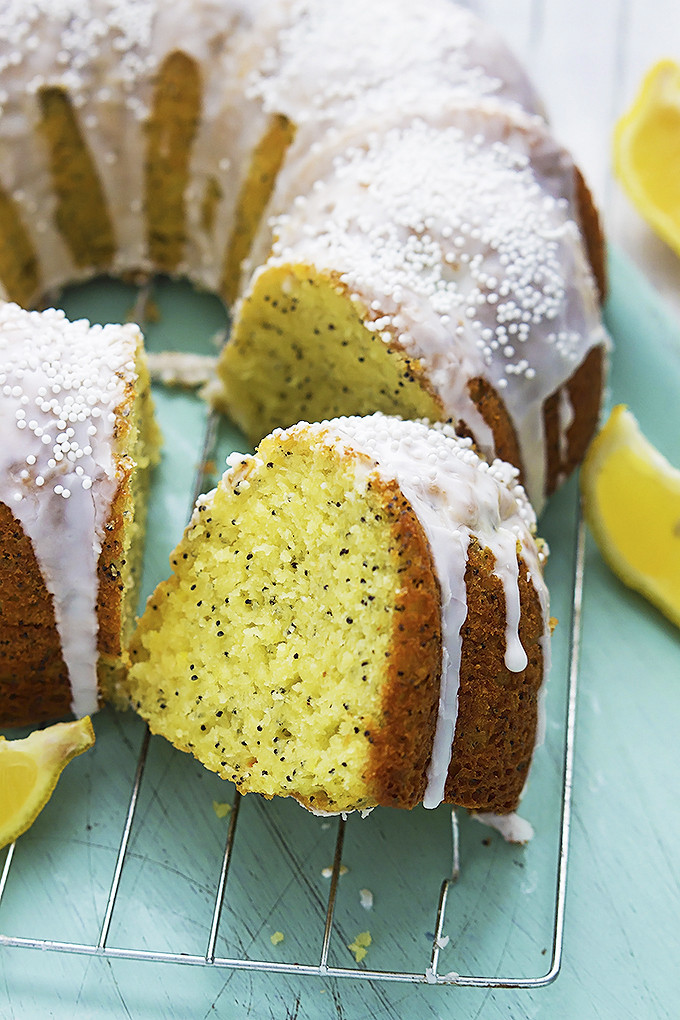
136, 135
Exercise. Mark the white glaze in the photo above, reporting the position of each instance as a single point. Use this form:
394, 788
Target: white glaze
61, 384
349, 52
328, 52
326, 70
565, 415
512, 828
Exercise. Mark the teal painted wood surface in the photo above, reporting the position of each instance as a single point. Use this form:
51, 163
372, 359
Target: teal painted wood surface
621, 941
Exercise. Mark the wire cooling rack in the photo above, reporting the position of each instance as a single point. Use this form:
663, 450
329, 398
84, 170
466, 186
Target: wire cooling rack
220, 950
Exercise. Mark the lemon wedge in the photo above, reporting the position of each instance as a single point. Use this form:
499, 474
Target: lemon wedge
647, 151
631, 501
30, 768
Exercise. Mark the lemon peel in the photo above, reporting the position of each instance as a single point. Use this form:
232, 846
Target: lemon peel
30, 768
631, 501
647, 151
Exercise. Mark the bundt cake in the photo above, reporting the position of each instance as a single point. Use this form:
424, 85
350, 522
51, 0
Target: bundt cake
434, 269
77, 439
356, 616
137, 135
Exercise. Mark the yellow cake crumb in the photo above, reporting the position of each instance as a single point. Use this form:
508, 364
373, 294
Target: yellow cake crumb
221, 809
360, 945
366, 899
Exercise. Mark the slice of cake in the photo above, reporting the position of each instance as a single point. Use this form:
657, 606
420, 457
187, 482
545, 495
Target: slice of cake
439, 272
356, 616
78, 437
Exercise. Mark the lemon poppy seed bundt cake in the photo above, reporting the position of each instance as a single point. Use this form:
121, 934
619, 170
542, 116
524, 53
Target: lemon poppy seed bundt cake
77, 439
356, 616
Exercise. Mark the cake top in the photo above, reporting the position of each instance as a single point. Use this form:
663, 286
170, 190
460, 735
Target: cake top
62, 383
87, 30
443, 468
67, 41
337, 62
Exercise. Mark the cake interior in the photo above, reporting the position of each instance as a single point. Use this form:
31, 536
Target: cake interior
260, 668
300, 351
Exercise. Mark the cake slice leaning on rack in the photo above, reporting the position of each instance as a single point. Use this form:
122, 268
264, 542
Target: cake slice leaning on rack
78, 439
356, 617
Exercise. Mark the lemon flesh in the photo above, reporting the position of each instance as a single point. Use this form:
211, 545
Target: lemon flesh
30, 768
631, 501
647, 151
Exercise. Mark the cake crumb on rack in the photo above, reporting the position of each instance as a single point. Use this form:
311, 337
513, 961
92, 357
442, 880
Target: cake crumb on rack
360, 945
221, 809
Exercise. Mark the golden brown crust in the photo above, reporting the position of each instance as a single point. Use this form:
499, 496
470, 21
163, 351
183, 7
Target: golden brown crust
497, 712
401, 747
584, 392
497, 709
492, 408
170, 131
19, 269
34, 684
81, 212
109, 599
255, 194
591, 228
33, 680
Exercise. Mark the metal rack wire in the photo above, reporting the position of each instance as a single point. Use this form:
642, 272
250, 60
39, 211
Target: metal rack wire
429, 972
